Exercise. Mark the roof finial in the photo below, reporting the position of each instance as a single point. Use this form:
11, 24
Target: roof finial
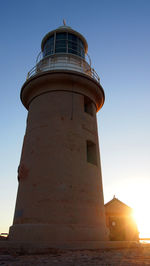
64, 22
114, 197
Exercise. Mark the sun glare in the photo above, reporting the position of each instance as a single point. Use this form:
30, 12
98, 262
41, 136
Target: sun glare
138, 199
142, 218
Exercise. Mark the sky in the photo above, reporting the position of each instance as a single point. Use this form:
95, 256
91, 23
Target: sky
118, 36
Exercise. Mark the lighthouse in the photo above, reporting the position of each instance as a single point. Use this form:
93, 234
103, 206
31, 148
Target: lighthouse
60, 193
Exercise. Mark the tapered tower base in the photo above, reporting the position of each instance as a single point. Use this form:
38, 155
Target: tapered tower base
63, 234
60, 195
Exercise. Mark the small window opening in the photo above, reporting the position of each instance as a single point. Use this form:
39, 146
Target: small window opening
91, 152
88, 106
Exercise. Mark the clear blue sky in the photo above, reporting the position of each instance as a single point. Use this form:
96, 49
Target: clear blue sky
118, 35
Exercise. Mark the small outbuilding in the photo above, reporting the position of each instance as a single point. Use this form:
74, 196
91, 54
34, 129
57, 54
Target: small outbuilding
120, 221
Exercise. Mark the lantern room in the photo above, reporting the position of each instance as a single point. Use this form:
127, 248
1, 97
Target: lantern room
64, 40
64, 48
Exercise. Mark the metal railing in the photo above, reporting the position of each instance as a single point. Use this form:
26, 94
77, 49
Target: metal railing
65, 61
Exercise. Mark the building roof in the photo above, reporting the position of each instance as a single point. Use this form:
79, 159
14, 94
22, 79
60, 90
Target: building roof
116, 200
116, 206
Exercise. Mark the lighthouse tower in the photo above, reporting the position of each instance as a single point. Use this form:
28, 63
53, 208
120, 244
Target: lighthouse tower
60, 193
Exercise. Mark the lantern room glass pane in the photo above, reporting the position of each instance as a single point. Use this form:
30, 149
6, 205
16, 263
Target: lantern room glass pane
72, 44
75, 45
49, 46
61, 42
81, 49
61, 36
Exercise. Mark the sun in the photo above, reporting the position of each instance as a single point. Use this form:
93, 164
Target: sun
141, 215
138, 198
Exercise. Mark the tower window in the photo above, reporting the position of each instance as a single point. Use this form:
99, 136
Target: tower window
88, 106
91, 152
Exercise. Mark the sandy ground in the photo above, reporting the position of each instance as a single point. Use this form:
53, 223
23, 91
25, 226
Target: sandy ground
117, 257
